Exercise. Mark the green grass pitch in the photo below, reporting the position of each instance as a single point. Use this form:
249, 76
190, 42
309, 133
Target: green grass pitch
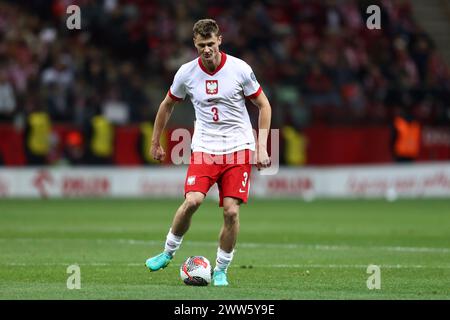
286, 249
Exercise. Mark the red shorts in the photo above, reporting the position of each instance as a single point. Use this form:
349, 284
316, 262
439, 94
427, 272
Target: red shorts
230, 171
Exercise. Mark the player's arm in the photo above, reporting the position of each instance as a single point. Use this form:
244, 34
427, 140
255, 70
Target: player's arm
162, 117
265, 115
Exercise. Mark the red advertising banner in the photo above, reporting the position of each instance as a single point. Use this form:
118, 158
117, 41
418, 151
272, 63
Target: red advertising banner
325, 145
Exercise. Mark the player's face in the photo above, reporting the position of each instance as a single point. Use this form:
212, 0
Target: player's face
208, 48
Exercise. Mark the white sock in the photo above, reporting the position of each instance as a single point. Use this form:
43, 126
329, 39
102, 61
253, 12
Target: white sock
173, 243
223, 260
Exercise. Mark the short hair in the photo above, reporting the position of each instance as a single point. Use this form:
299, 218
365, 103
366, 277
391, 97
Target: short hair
205, 28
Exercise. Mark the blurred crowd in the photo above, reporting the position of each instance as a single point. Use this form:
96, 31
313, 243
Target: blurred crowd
316, 60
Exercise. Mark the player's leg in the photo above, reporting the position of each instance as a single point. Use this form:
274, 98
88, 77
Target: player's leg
230, 227
182, 220
227, 239
180, 225
233, 188
199, 179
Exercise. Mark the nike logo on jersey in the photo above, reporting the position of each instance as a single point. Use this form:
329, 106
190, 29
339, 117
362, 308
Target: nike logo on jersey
241, 191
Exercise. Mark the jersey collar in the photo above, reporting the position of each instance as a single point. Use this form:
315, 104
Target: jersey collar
223, 59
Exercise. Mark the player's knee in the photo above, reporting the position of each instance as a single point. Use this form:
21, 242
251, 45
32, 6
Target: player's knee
231, 214
193, 201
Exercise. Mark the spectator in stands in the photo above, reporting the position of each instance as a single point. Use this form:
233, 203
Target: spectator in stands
299, 34
320, 49
320, 89
58, 80
73, 151
99, 137
420, 54
37, 133
145, 137
133, 95
114, 107
7, 98
406, 137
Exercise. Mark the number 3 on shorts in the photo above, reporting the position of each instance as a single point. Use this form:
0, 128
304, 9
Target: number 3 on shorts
244, 182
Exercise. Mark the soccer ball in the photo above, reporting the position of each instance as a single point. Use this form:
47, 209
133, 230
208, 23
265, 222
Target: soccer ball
196, 271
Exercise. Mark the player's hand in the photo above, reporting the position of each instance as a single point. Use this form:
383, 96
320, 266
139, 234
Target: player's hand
157, 152
262, 159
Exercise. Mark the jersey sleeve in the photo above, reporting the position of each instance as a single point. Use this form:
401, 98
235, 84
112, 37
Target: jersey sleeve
177, 90
251, 86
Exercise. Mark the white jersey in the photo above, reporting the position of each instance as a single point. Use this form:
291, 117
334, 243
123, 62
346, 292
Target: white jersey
222, 123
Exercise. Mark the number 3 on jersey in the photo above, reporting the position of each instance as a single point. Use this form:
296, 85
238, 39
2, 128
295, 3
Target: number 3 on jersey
215, 112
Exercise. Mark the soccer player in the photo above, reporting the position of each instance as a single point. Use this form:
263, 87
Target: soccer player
223, 142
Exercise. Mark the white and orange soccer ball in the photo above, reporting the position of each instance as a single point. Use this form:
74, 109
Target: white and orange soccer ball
196, 271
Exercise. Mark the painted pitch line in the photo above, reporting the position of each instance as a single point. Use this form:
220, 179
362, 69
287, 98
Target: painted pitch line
253, 245
281, 266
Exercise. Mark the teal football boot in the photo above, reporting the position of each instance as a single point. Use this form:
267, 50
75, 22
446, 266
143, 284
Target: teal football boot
158, 262
220, 278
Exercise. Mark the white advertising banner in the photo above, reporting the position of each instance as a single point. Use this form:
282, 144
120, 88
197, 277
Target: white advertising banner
391, 181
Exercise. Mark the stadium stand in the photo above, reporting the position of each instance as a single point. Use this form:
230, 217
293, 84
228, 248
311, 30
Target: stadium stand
317, 61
